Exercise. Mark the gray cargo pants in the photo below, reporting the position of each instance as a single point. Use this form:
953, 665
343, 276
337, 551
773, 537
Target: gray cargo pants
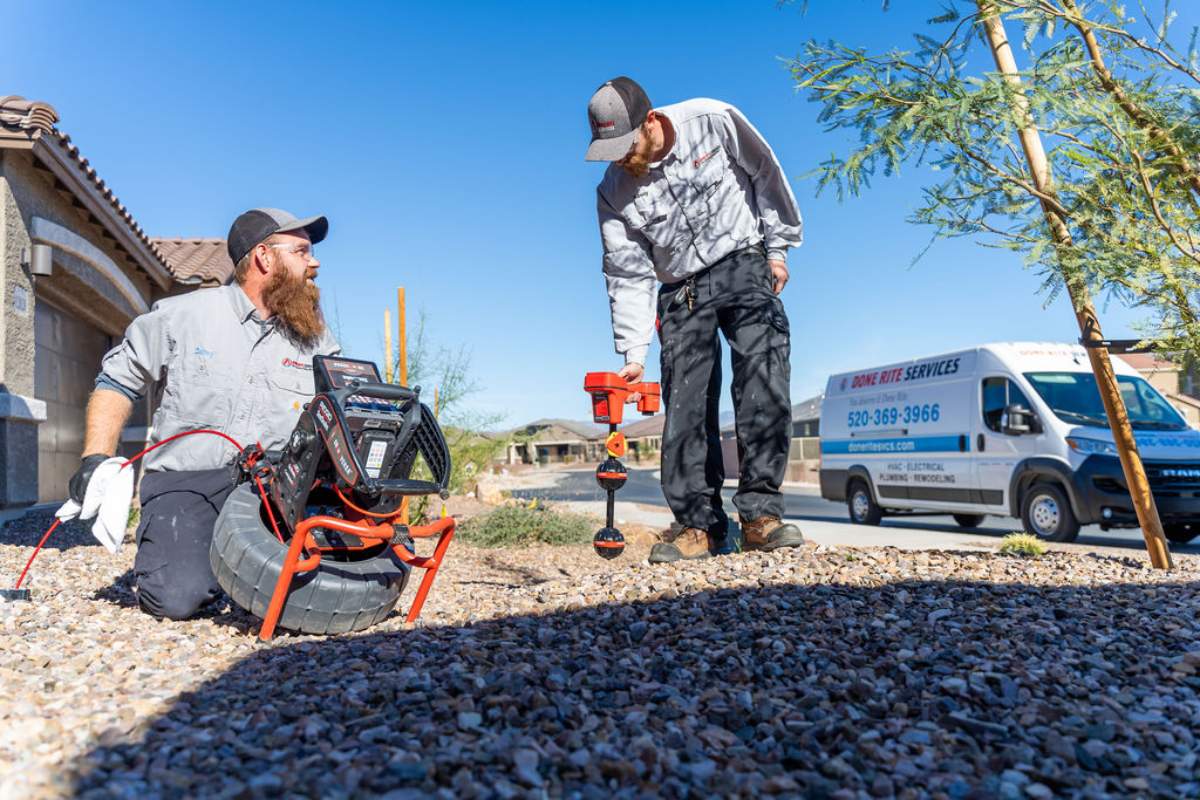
735, 296
171, 569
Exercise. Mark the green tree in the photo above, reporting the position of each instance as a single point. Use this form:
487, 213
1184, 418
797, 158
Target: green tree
448, 370
1116, 96
1110, 204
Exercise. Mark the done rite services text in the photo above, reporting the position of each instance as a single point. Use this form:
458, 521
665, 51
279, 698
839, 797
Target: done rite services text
913, 372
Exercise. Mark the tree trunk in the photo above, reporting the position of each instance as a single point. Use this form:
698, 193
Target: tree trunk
1085, 313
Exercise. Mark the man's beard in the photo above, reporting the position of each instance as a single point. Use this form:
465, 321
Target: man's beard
637, 161
637, 164
296, 305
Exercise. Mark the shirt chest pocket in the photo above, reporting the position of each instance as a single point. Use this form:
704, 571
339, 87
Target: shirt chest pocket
710, 170
290, 391
200, 392
656, 216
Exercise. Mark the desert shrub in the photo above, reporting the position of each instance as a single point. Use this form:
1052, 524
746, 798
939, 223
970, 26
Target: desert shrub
525, 525
1022, 544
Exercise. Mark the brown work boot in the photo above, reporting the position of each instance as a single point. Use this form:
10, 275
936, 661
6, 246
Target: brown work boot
687, 544
770, 533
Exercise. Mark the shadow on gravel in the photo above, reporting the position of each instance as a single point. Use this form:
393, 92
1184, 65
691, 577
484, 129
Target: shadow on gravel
1090, 536
28, 529
967, 690
119, 592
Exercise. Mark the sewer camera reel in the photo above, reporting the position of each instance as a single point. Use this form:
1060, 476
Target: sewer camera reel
610, 392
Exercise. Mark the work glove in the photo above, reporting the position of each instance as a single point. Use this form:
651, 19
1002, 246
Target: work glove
77, 488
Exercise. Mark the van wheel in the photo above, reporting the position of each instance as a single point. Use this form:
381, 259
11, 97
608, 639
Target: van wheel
1181, 532
968, 520
1047, 514
863, 508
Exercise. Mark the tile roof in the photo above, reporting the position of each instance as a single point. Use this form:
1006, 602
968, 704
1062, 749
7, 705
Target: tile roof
1148, 361
640, 426
199, 259
584, 430
37, 121
805, 411
17, 112
809, 409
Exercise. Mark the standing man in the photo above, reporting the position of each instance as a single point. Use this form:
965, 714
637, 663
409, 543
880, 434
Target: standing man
237, 359
695, 199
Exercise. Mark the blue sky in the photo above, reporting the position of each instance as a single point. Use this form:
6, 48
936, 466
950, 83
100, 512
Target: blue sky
445, 142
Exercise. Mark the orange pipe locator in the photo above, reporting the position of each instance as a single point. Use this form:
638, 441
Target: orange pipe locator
610, 392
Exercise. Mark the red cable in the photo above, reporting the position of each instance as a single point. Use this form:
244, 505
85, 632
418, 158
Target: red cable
363, 511
154, 446
270, 514
36, 550
157, 445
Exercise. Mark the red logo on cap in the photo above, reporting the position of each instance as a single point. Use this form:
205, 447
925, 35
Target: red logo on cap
611, 123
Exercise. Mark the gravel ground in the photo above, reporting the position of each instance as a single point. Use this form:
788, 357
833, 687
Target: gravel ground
819, 672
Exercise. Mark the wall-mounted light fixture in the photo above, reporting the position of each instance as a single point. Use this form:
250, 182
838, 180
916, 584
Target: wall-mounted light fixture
40, 261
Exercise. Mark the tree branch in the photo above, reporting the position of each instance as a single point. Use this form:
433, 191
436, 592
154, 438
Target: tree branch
1139, 117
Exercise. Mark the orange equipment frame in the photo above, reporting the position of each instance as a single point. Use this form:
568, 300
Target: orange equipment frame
610, 392
303, 543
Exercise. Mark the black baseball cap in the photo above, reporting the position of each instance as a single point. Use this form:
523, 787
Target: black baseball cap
615, 112
257, 224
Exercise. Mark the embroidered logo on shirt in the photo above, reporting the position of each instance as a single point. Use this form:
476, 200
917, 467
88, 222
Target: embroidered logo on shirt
697, 162
203, 352
294, 364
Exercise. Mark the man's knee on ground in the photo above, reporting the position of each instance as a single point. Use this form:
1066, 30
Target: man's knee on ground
171, 603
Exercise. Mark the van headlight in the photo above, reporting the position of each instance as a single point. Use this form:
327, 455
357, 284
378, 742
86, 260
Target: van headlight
1092, 446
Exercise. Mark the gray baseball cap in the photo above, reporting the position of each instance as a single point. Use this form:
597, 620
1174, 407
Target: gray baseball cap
615, 112
257, 224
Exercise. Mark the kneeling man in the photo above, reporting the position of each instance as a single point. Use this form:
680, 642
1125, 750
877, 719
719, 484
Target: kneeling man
237, 359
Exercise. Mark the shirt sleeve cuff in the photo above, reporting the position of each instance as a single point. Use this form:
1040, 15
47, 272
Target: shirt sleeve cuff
777, 254
105, 382
637, 355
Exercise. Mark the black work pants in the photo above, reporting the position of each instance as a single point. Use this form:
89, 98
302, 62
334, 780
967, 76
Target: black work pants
171, 569
736, 298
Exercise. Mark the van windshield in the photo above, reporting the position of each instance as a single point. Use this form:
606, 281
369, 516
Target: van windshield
1074, 398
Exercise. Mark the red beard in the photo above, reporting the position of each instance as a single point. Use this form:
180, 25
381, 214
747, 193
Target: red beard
296, 305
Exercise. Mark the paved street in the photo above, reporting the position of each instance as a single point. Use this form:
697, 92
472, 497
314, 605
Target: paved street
821, 520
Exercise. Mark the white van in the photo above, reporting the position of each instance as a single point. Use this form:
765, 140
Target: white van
1015, 429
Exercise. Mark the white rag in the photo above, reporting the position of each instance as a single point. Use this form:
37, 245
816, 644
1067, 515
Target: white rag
108, 497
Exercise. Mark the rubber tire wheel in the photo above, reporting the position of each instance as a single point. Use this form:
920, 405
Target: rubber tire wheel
873, 514
337, 597
968, 520
1181, 533
1068, 527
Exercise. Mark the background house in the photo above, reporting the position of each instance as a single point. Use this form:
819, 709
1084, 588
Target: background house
644, 437
75, 269
555, 441
1175, 383
804, 453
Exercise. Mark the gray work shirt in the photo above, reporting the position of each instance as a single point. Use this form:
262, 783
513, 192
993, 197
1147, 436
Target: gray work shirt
217, 364
720, 189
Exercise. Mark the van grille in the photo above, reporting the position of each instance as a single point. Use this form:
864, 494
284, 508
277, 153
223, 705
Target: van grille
1170, 479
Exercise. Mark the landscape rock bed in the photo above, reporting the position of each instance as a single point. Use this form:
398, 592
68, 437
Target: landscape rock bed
548, 672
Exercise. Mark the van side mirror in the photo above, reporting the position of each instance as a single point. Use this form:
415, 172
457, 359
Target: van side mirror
1018, 420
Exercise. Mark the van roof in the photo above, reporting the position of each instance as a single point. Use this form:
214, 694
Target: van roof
1031, 356
1035, 356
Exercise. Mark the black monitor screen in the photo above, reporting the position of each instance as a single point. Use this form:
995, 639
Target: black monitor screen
333, 372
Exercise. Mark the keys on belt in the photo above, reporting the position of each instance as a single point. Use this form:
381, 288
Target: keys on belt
687, 293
